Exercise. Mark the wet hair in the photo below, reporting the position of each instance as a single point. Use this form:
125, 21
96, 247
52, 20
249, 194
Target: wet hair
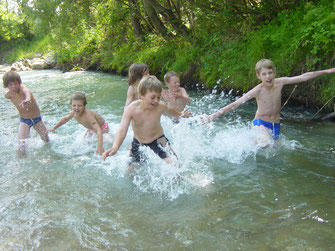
264, 63
150, 83
136, 71
11, 76
169, 75
78, 96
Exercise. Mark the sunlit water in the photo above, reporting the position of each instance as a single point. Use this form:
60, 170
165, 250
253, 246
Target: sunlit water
227, 195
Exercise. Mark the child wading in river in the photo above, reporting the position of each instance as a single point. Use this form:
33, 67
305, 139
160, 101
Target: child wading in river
25, 103
268, 98
144, 115
94, 122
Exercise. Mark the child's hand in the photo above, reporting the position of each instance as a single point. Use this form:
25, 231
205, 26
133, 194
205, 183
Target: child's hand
206, 119
186, 114
26, 101
330, 71
108, 153
51, 130
100, 151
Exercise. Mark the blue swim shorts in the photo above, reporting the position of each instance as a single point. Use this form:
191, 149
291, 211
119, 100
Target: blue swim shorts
274, 127
31, 122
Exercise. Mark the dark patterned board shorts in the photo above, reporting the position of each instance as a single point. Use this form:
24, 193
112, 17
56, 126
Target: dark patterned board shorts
158, 146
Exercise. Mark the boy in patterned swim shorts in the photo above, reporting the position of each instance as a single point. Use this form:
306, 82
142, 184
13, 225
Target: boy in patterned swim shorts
144, 115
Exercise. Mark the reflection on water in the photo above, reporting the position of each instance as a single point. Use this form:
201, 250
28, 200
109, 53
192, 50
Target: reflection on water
227, 195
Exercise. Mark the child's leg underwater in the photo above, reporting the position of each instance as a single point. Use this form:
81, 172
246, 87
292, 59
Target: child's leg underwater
23, 135
42, 131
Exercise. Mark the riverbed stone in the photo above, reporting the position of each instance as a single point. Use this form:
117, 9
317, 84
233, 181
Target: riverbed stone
38, 64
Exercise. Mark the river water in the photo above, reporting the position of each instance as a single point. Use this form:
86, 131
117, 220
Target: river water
229, 194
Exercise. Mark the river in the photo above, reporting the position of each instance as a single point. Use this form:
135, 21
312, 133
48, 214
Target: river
227, 194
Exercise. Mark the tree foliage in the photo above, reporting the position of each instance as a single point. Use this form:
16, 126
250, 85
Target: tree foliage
219, 41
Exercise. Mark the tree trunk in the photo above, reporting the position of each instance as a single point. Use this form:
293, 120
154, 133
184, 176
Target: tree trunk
170, 17
155, 21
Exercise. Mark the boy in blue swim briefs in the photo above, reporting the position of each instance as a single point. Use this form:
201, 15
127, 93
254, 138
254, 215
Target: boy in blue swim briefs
25, 103
268, 97
144, 115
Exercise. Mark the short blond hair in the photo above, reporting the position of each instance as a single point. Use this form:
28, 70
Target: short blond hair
150, 83
264, 63
78, 96
169, 75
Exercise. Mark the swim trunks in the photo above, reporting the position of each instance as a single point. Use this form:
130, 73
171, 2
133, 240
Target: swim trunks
104, 128
274, 127
157, 146
31, 122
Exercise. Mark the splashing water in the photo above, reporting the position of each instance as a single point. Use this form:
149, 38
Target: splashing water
228, 193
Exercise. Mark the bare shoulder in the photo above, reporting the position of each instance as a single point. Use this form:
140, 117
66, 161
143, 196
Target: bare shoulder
133, 106
71, 114
24, 88
162, 105
8, 95
256, 90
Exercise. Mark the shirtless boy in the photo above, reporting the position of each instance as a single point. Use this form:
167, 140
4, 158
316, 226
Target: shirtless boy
24, 101
144, 115
91, 120
176, 96
268, 97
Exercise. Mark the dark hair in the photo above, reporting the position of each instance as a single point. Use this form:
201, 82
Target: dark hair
150, 83
78, 96
169, 75
136, 71
11, 76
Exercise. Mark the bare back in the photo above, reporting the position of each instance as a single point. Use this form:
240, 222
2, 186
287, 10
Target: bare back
132, 93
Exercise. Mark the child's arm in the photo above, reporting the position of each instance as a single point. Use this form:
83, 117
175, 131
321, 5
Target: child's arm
168, 111
232, 106
96, 128
62, 121
27, 93
120, 134
185, 95
306, 76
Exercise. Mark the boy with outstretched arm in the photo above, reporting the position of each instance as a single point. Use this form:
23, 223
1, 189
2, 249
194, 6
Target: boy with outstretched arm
176, 96
25, 103
144, 115
94, 122
268, 97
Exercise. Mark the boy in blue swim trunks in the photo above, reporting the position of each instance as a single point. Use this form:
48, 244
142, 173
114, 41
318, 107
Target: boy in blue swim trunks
144, 115
24, 101
268, 97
